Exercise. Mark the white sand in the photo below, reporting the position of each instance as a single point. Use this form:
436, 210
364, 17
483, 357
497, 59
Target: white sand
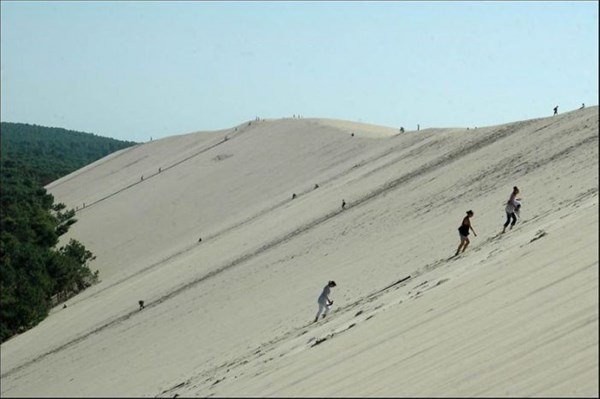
515, 315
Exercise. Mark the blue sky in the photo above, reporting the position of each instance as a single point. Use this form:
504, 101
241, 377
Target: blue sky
135, 70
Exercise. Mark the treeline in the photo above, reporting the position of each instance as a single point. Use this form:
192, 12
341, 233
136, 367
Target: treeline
53, 152
36, 275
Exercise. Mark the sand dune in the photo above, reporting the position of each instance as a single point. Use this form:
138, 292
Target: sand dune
515, 315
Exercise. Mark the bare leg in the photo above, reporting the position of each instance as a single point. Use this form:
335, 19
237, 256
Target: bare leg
466, 244
462, 242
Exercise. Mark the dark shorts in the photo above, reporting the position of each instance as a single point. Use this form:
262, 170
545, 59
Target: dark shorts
463, 231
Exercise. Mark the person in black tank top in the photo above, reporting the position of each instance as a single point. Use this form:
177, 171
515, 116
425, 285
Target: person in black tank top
463, 231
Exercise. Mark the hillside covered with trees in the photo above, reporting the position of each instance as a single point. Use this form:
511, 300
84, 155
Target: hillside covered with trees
51, 152
35, 275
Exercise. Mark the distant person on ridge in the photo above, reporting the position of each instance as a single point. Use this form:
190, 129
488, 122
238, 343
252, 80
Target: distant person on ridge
343, 204
463, 231
556, 110
513, 206
324, 301
582, 106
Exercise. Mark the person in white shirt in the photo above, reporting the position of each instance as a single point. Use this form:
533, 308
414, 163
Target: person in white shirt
324, 301
512, 208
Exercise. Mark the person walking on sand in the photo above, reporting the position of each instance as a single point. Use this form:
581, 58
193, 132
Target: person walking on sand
556, 110
324, 301
512, 207
463, 231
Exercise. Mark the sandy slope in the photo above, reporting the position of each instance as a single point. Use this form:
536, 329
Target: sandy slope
515, 315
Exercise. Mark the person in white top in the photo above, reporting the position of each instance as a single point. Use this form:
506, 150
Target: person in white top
324, 301
512, 208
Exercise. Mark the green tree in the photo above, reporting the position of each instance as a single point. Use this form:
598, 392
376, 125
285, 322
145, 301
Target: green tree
33, 271
34, 274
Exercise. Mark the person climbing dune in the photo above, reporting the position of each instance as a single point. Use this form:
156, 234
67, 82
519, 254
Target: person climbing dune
513, 205
463, 231
324, 301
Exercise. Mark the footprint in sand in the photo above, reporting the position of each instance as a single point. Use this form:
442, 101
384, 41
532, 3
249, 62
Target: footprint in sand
539, 234
319, 341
